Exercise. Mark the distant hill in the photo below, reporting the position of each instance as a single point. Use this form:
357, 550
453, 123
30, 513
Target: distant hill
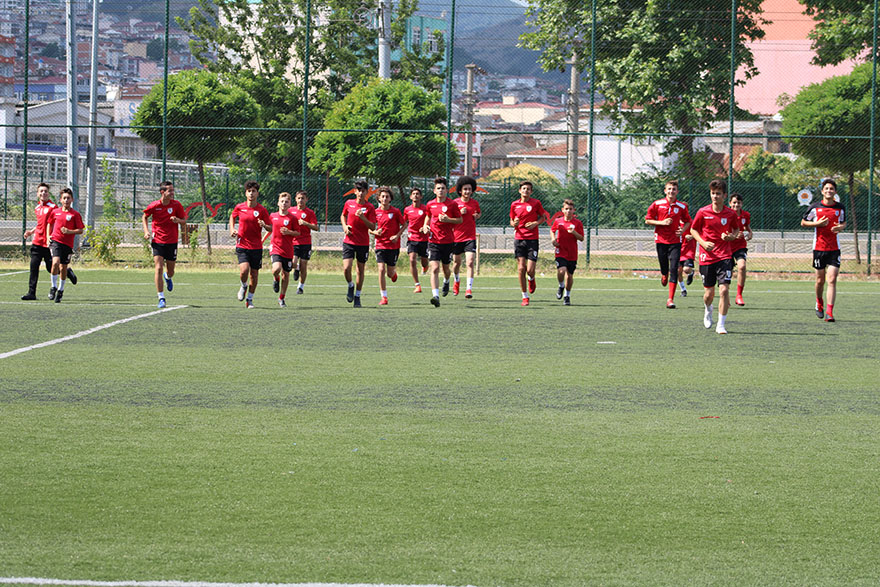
473, 14
149, 10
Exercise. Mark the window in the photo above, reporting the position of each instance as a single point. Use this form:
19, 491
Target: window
416, 38
434, 42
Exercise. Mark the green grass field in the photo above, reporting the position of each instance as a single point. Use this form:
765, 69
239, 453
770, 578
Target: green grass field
481, 443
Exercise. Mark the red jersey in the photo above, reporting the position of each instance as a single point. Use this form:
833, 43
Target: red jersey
688, 249
527, 211
165, 231
825, 239
415, 218
359, 232
744, 220
250, 235
710, 225
467, 230
566, 243
282, 244
390, 221
68, 219
43, 211
305, 233
442, 232
661, 210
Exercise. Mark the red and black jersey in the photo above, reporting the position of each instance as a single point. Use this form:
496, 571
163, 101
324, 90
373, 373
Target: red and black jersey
390, 221
69, 219
360, 235
415, 218
744, 224
566, 243
661, 210
442, 232
467, 230
250, 230
528, 211
164, 230
305, 233
710, 225
825, 239
41, 238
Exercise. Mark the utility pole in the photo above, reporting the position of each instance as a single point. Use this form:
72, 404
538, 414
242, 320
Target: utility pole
572, 118
93, 121
385, 39
72, 138
470, 100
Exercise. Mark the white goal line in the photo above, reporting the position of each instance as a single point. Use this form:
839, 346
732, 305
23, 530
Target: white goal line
86, 583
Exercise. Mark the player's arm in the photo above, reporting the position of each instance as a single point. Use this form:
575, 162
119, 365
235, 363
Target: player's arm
450, 220
426, 225
147, 234
309, 225
399, 232
574, 232
233, 219
838, 227
664, 222
371, 224
707, 245
65, 230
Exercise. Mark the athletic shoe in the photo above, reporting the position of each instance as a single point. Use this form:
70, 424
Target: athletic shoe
300, 291
566, 301
417, 289
525, 302
424, 269
820, 311
349, 297
829, 318
445, 290
394, 277
54, 290
241, 293
468, 294
296, 274
664, 279
684, 293
162, 302
559, 292
455, 288
383, 301
707, 317
249, 304
72, 277
357, 301
58, 296
690, 279
169, 285
670, 304
739, 301
435, 301
533, 285
29, 296
276, 286
282, 303
720, 329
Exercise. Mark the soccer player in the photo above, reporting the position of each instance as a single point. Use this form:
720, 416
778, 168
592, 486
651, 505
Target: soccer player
389, 227
251, 218
302, 243
566, 232
284, 222
465, 234
167, 214
740, 245
358, 218
526, 214
829, 219
686, 262
417, 241
440, 218
670, 219
65, 223
715, 228
40, 253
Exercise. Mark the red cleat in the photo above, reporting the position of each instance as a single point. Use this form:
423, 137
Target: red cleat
455, 287
383, 301
468, 294
394, 277
417, 289
670, 304
424, 269
829, 318
739, 301
532, 285
525, 302
664, 279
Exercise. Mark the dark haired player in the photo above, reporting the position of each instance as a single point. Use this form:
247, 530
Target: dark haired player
284, 224
40, 253
740, 245
302, 243
416, 240
251, 218
167, 213
566, 232
526, 214
465, 233
828, 217
670, 219
389, 227
65, 223
357, 219
442, 214
715, 227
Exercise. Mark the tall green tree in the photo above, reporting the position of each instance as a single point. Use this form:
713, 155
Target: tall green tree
843, 30
390, 158
205, 114
837, 107
662, 67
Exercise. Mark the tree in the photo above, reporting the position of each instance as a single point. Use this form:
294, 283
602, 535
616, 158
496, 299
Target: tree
843, 30
156, 48
838, 107
390, 158
52, 50
661, 68
204, 114
523, 172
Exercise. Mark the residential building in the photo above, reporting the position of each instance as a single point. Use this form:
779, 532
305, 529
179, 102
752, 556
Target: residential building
511, 111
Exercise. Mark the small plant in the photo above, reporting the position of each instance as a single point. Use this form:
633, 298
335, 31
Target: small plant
103, 241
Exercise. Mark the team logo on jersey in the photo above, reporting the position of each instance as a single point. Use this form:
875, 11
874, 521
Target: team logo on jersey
69, 216
170, 210
303, 215
445, 208
744, 221
723, 221
390, 216
528, 208
837, 212
286, 222
421, 212
256, 213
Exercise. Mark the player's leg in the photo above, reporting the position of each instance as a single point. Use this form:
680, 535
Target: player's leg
831, 279
254, 275
159, 269
283, 276
456, 271
64, 261
435, 256
740, 280
56, 275
277, 271
673, 254
561, 272
361, 265
820, 290
414, 266
569, 283
708, 276
521, 271
347, 265
303, 273
383, 287
37, 258
446, 261
663, 258
470, 258
723, 307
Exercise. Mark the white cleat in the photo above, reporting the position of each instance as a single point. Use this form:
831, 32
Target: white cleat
241, 292
720, 329
707, 317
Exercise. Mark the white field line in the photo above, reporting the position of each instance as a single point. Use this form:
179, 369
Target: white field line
85, 583
14, 273
82, 333
90, 304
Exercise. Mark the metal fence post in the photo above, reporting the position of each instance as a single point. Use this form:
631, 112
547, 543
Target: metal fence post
134, 190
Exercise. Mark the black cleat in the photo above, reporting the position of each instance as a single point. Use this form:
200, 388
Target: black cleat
445, 289
349, 297
296, 274
72, 276
276, 286
299, 291
566, 301
820, 312
690, 279
559, 292
357, 301
52, 292
29, 296
58, 296
435, 301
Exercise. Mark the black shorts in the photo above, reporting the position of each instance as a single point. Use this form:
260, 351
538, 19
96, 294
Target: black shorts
302, 252
286, 264
465, 247
719, 272
61, 251
740, 254
687, 263
419, 247
387, 256
570, 266
167, 251
822, 259
253, 257
526, 248
359, 252
440, 252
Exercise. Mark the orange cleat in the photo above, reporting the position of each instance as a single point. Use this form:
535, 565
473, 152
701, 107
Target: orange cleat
394, 277
533, 284
468, 294
383, 301
455, 287
664, 279
417, 289
739, 301
525, 302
